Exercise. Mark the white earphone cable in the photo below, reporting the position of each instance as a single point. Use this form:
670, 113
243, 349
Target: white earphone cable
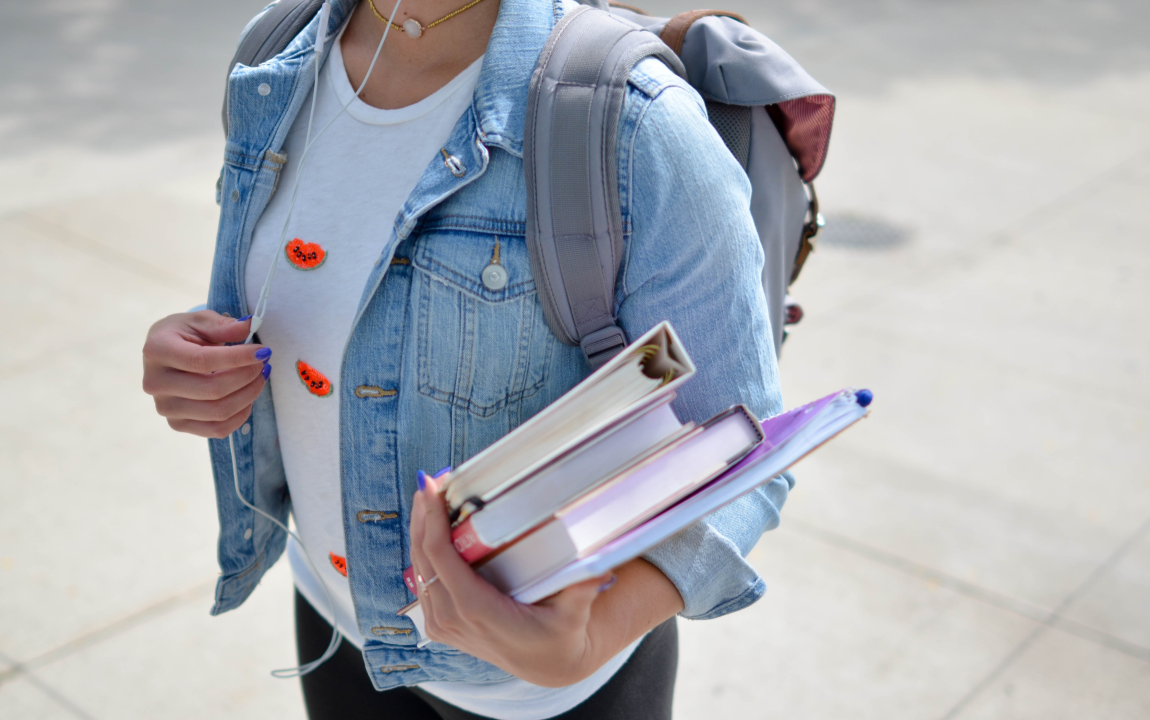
261, 309
265, 291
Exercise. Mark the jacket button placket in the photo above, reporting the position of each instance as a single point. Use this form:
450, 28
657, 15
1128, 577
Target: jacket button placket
372, 486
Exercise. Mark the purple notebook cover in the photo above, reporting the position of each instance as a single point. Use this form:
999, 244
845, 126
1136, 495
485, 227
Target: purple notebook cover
780, 428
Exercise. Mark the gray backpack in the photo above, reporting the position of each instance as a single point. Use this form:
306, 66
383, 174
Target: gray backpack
774, 118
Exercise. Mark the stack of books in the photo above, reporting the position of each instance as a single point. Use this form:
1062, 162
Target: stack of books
608, 471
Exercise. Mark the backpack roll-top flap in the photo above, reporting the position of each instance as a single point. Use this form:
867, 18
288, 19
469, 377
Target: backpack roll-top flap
731, 63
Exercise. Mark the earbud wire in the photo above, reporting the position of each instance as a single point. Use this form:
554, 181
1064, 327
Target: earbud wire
262, 305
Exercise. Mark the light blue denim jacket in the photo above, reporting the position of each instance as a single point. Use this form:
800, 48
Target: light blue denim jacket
462, 364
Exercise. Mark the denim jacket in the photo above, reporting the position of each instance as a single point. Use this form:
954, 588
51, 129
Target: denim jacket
438, 366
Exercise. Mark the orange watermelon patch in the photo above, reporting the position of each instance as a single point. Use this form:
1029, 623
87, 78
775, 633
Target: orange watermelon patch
313, 379
305, 256
339, 563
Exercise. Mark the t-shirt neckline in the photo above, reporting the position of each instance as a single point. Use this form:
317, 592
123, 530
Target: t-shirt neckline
337, 78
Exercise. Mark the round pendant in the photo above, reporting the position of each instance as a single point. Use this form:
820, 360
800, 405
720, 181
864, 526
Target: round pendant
412, 28
495, 277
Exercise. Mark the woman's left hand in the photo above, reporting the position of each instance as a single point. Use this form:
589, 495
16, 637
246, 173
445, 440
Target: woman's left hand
552, 643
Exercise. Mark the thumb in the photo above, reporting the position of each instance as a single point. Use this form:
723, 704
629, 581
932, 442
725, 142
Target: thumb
216, 329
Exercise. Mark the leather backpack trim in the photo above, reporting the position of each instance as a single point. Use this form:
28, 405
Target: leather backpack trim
676, 30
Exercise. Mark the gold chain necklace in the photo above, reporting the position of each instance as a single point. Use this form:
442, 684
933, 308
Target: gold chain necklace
412, 27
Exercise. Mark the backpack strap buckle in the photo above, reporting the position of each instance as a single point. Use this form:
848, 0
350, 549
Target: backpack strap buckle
602, 345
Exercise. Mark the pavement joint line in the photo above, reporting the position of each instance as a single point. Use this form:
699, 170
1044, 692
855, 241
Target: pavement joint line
56, 697
1085, 632
116, 627
1106, 566
1004, 602
53, 230
964, 587
42, 687
1072, 196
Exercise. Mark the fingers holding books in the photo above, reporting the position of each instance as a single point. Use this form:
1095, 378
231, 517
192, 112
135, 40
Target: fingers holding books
457, 594
545, 644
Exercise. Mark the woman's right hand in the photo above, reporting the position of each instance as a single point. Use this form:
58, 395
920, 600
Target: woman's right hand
201, 385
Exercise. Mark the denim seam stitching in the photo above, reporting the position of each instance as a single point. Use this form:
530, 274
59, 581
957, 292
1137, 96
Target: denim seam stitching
452, 397
629, 224
748, 597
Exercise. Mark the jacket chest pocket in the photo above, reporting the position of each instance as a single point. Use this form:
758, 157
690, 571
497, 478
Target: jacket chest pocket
484, 344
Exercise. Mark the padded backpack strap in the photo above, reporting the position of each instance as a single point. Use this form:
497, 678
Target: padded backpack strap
269, 34
676, 29
574, 220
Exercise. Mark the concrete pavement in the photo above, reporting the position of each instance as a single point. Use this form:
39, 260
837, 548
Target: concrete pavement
979, 548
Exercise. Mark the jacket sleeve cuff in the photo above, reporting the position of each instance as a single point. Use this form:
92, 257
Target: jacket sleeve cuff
710, 574
707, 561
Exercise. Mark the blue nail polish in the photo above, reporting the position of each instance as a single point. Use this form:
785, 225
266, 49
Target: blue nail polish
609, 584
267, 371
864, 397
442, 472
263, 353
421, 477
245, 317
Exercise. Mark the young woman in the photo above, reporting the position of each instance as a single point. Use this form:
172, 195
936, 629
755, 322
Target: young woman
393, 354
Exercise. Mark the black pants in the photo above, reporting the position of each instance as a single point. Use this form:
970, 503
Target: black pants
341, 690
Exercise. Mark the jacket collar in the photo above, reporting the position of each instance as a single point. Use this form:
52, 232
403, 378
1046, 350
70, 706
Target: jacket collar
520, 33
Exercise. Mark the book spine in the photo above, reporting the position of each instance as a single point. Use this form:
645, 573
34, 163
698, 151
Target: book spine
467, 542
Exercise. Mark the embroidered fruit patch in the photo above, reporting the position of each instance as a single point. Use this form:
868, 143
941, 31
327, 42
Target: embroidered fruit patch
305, 255
313, 379
339, 563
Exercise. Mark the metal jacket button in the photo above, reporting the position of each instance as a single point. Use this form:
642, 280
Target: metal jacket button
382, 631
453, 164
366, 516
373, 391
494, 276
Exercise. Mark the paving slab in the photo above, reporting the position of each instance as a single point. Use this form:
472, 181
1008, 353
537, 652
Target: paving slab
959, 158
114, 75
1007, 440
1062, 677
187, 664
23, 698
1119, 604
74, 299
112, 511
1041, 298
155, 235
1032, 535
60, 171
837, 636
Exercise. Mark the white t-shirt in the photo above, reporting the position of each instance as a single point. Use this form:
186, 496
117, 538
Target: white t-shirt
358, 174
